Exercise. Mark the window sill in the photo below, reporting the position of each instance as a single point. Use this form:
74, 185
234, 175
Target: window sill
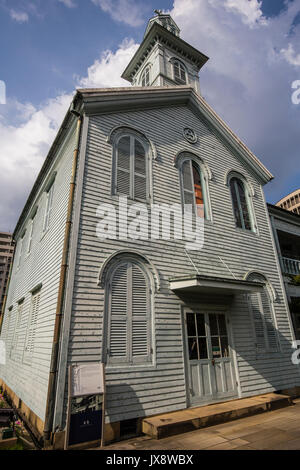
115, 197
247, 232
129, 368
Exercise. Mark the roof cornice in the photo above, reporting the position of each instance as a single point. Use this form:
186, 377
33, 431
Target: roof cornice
156, 34
97, 101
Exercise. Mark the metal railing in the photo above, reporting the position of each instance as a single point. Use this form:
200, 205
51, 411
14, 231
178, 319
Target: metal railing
291, 266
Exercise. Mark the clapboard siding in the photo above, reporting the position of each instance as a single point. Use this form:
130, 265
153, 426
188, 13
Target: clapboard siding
161, 387
42, 265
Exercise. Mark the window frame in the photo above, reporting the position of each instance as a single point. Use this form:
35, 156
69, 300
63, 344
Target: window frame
30, 234
249, 203
267, 290
146, 72
31, 326
48, 206
187, 156
179, 80
21, 246
131, 192
129, 361
17, 327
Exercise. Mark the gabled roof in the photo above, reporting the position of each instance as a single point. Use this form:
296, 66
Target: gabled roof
103, 100
159, 33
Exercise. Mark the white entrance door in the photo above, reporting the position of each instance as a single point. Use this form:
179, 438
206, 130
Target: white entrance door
211, 374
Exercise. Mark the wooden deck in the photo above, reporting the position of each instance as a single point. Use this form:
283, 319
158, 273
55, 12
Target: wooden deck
177, 422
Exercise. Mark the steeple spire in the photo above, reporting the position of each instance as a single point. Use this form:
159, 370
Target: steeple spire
163, 58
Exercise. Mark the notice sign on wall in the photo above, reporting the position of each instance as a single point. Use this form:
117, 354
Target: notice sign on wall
86, 405
87, 379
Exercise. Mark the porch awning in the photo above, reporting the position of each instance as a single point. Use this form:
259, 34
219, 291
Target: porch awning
198, 283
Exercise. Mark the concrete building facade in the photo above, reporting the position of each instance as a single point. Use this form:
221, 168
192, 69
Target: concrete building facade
286, 229
291, 202
6, 255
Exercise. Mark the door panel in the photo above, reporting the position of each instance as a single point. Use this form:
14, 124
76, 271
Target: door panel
210, 364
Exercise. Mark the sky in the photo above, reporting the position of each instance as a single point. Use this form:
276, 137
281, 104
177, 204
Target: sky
51, 47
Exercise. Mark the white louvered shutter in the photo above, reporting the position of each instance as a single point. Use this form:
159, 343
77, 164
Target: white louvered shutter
130, 316
140, 176
118, 347
140, 340
265, 330
123, 166
270, 329
258, 321
16, 330
29, 346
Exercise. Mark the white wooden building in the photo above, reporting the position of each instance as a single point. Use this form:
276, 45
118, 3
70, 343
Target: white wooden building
175, 328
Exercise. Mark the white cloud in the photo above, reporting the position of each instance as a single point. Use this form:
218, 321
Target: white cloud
68, 3
18, 16
107, 71
250, 11
290, 55
124, 11
29, 138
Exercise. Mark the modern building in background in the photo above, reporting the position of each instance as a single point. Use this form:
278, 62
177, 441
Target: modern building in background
175, 327
291, 202
286, 229
6, 255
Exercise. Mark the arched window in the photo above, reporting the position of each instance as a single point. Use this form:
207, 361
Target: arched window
145, 81
240, 203
193, 186
263, 316
179, 72
131, 167
129, 314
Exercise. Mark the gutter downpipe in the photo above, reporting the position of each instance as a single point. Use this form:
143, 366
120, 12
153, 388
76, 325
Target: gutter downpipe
61, 290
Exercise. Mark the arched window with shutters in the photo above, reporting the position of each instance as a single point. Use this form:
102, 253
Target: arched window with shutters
241, 203
261, 307
131, 158
193, 185
128, 304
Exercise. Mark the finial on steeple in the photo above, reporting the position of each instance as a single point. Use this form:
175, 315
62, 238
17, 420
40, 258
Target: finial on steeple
158, 12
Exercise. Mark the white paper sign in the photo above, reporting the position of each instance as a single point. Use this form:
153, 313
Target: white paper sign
87, 379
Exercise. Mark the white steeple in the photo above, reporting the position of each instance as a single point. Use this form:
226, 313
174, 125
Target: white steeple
163, 58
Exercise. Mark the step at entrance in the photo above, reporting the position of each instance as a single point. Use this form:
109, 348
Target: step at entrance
189, 419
